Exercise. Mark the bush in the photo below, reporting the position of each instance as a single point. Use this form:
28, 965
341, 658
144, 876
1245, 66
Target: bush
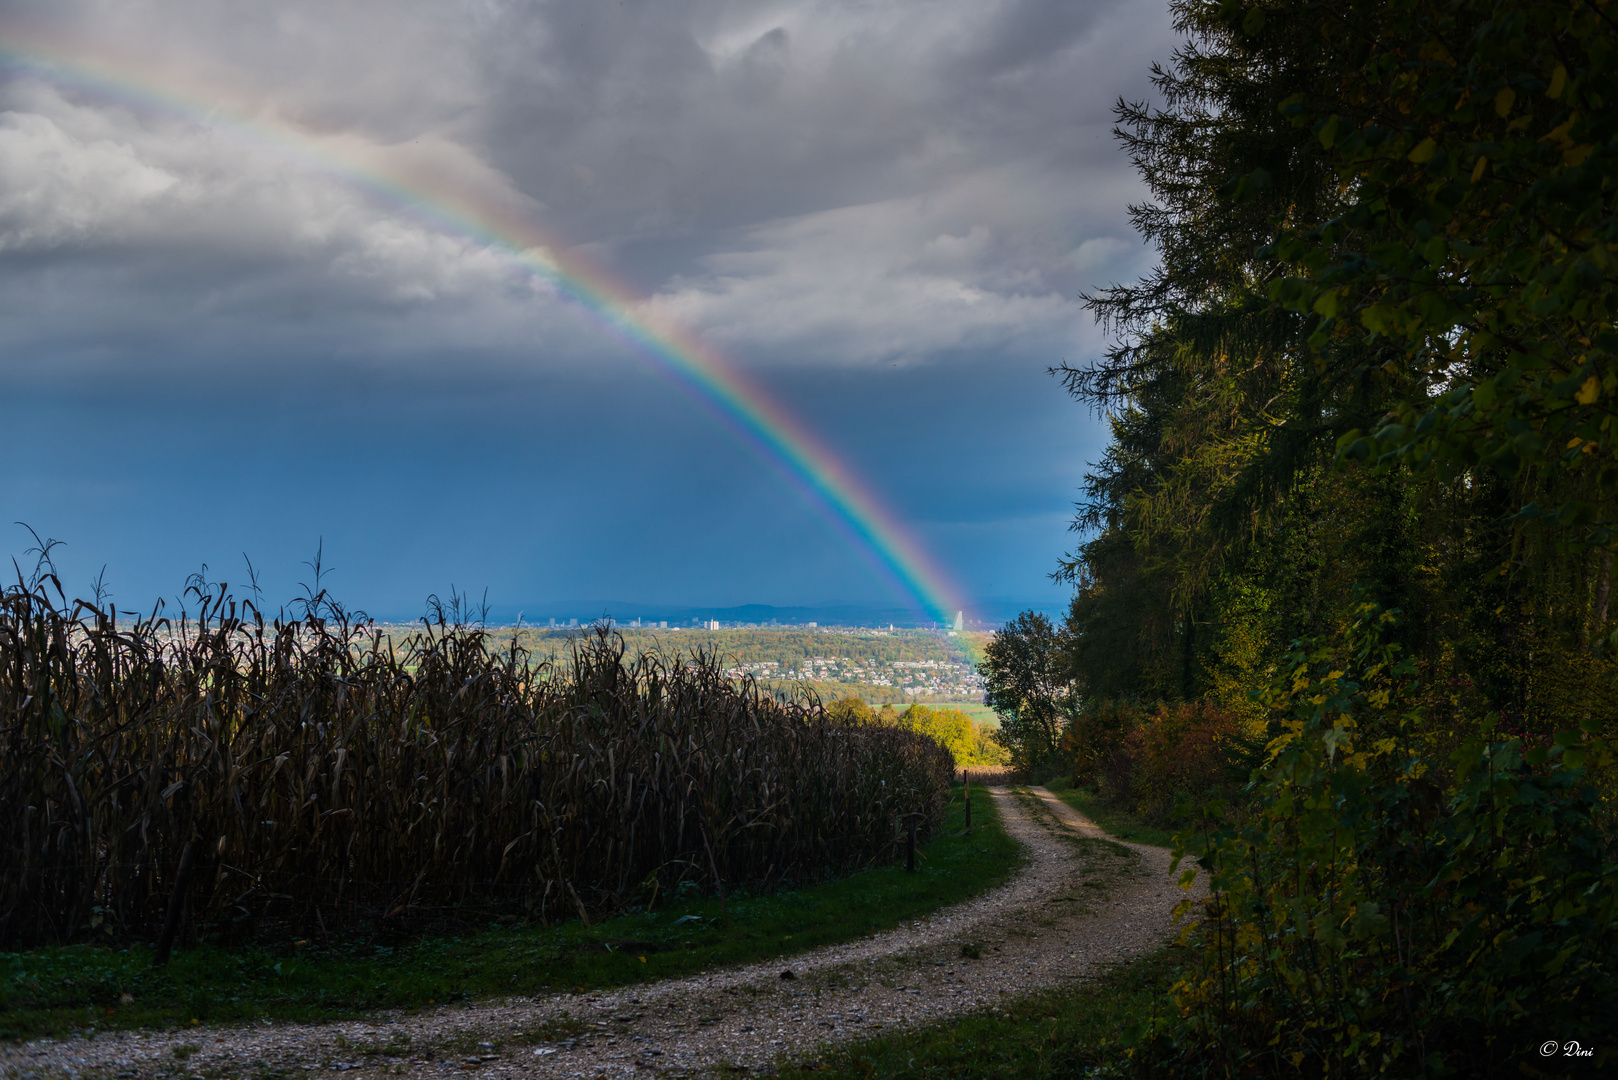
319, 774
1093, 745
1385, 911
1149, 763
968, 742
1180, 753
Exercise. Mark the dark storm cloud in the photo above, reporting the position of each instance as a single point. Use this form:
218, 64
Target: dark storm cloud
727, 132
947, 158
885, 211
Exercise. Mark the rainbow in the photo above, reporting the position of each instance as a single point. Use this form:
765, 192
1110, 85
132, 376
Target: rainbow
502, 227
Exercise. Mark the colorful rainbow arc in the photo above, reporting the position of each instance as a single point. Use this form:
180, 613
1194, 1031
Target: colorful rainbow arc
679, 353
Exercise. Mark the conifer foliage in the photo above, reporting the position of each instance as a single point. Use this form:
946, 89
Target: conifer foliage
1354, 530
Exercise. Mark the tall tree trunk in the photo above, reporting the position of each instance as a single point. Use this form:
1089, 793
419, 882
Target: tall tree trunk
1603, 591
1187, 659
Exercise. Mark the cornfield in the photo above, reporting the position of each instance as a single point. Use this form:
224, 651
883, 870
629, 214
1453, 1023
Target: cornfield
312, 774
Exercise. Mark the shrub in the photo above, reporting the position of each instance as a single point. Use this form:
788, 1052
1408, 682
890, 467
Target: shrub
1094, 746
1382, 910
1180, 753
1149, 763
969, 743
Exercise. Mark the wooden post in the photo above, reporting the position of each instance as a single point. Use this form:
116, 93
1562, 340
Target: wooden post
910, 845
171, 923
968, 802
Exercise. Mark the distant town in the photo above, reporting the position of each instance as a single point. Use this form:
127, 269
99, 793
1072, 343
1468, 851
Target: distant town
925, 679
881, 665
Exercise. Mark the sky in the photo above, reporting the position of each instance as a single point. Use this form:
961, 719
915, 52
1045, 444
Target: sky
276, 277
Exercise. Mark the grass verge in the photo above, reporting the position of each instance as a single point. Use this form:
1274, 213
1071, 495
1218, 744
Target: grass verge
75, 988
1061, 1032
1120, 823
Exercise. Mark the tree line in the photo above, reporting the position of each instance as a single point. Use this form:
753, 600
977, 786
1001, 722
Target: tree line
1342, 581
969, 743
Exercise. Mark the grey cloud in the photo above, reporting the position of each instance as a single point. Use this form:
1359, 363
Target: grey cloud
886, 209
987, 261
391, 69
631, 126
58, 191
883, 181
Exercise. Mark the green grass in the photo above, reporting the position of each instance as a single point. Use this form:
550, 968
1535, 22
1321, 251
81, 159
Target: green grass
978, 714
1061, 1032
73, 988
1120, 823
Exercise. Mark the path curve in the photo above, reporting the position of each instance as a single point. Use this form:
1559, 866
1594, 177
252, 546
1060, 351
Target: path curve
1081, 902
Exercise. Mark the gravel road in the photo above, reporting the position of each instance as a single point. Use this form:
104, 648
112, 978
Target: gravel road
1081, 902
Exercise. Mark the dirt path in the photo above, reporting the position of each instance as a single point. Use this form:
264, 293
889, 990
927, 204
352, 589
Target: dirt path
1081, 902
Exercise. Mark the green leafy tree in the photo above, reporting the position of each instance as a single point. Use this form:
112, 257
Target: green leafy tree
851, 710
949, 728
1477, 254
1025, 681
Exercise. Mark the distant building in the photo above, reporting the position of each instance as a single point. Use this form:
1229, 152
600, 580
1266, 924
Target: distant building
711, 624
959, 625
572, 622
664, 625
812, 625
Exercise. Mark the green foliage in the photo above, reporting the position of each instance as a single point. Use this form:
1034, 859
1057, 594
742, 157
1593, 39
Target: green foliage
967, 742
851, 710
1477, 256
1399, 900
1374, 370
1024, 681
948, 728
1311, 167
1241, 504
58, 990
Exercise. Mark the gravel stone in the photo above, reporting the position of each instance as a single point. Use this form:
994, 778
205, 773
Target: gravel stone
1081, 903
